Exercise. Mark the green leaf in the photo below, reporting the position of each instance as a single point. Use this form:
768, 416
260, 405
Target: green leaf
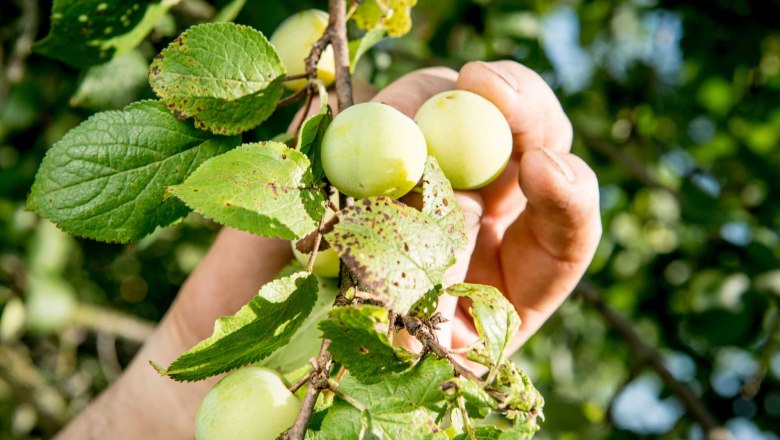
519, 432
426, 306
521, 395
440, 203
266, 189
494, 316
402, 406
88, 32
311, 134
397, 251
478, 401
227, 76
393, 15
482, 433
105, 179
358, 48
305, 343
112, 85
358, 341
261, 327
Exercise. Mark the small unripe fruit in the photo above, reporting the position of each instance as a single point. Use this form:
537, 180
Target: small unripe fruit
51, 304
326, 263
469, 137
248, 404
293, 40
372, 149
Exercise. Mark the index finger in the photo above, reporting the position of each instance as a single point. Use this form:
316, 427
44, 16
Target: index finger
527, 102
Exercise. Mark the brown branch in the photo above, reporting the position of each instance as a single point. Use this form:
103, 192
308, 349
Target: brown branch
643, 352
337, 29
335, 34
292, 98
419, 330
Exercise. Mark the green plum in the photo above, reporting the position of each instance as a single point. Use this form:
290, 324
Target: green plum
469, 137
372, 149
248, 404
293, 40
51, 303
326, 263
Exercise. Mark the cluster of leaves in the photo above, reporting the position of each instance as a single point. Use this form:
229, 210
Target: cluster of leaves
121, 174
703, 295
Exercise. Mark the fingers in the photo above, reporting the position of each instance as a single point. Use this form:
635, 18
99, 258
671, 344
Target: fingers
545, 252
527, 102
410, 91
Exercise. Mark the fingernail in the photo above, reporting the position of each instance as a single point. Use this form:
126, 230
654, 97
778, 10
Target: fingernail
562, 166
503, 74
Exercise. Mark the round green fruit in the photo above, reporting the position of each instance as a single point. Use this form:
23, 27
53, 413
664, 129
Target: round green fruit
326, 263
293, 40
469, 137
51, 304
372, 149
248, 404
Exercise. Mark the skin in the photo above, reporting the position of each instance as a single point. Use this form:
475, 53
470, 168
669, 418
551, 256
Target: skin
532, 234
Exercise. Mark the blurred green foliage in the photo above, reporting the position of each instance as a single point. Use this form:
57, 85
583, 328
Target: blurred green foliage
676, 105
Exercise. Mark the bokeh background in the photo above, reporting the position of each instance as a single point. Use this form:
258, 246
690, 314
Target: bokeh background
676, 105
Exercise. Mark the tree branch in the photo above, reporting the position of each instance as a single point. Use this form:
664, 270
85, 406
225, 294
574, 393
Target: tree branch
337, 29
647, 354
335, 34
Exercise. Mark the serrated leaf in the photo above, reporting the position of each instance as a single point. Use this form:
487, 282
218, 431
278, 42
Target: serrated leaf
481, 433
105, 179
426, 306
521, 395
358, 48
402, 406
393, 15
395, 250
495, 318
112, 85
310, 140
261, 327
440, 203
88, 32
227, 76
520, 432
265, 188
478, 401
306, 342
358, 341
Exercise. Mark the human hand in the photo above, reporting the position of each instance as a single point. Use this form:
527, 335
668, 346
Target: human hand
533, 231
532, 240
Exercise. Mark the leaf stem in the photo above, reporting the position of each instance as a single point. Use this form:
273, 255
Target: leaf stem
292, 98
334, 386
466, 420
